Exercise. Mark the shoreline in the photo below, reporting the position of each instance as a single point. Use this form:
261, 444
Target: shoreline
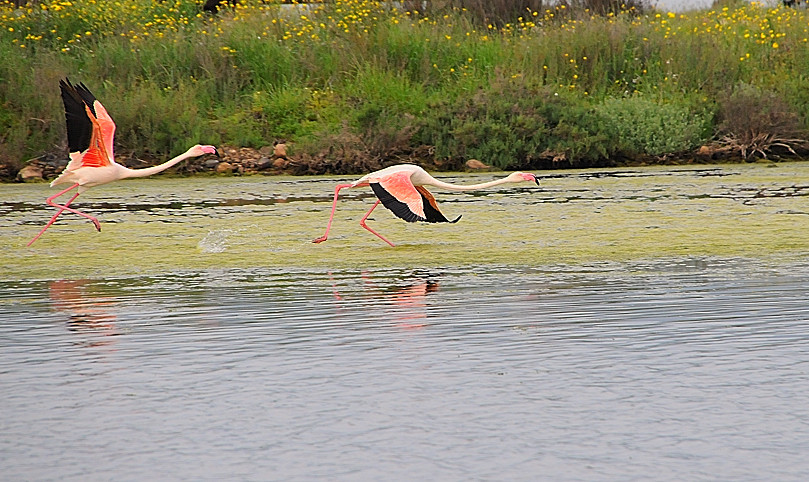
274, 161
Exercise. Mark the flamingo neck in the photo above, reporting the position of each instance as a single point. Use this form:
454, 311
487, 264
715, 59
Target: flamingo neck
148, 171
469, 187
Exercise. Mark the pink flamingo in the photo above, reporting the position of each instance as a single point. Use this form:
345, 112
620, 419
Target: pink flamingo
401, 189
90, 132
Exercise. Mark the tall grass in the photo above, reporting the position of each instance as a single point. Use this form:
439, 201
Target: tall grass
512, 88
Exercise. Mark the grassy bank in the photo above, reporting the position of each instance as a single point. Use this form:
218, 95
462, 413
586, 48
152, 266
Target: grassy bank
354, 84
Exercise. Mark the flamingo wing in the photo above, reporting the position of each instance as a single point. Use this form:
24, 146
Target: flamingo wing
397, 193
411, 203
90, 129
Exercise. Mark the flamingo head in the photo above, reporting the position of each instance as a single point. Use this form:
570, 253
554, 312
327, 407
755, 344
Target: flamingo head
523, 176
200, 150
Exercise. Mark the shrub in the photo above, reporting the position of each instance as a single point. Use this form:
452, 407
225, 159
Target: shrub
510, 124
280, 113
796, 90
156, 121
344, 151
758, 122
644, 126
375, 94
496, 125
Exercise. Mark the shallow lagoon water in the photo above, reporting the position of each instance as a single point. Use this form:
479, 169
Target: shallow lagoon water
163, 225
594, 328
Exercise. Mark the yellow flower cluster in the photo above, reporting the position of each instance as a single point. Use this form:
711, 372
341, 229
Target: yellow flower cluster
754, 22
750, 30
323, 21
65, 24
62, 23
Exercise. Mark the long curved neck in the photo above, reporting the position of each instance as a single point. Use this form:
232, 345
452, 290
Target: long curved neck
470, 187
148, 171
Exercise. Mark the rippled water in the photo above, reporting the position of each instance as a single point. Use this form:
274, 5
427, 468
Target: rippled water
164, 225
679, 369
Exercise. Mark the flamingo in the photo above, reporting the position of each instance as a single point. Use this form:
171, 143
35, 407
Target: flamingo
400, 188
90, 132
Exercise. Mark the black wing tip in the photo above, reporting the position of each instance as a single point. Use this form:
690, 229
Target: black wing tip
79, 91
84, 88
431, 211
79, 126
67, 88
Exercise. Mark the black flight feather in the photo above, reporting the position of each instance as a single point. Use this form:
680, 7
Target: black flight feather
79, 126
434, 215
401, 210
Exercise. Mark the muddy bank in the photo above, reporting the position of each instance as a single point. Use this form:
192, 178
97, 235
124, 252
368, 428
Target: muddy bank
278, 160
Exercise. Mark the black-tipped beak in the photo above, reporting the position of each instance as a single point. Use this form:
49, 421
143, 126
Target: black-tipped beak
536, 180
216, 151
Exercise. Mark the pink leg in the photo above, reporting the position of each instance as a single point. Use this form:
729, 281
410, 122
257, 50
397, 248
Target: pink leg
331, 216
62, 208
362, 223
53, 219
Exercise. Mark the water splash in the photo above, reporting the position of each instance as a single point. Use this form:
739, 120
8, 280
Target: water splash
216, 241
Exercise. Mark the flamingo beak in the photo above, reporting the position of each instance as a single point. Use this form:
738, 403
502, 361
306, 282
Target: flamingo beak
536, 180
216, 152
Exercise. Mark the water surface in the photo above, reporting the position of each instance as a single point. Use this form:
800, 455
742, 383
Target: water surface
609, 325
160, 224
690, 369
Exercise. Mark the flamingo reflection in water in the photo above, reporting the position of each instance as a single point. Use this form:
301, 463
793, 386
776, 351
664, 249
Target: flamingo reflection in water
87, 314
408, 303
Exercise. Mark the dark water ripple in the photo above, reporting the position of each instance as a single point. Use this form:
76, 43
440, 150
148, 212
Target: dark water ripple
689, 369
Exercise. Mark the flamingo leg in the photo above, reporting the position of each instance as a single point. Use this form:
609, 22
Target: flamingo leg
362, 223
63, 207
53, 219
331, 216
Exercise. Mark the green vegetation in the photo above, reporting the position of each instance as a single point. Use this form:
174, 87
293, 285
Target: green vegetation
579, 84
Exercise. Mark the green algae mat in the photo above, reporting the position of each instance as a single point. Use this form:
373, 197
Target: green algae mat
162, 224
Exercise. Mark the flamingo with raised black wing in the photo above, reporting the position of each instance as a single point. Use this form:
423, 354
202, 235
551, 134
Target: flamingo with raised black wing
401, 189
90, 132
